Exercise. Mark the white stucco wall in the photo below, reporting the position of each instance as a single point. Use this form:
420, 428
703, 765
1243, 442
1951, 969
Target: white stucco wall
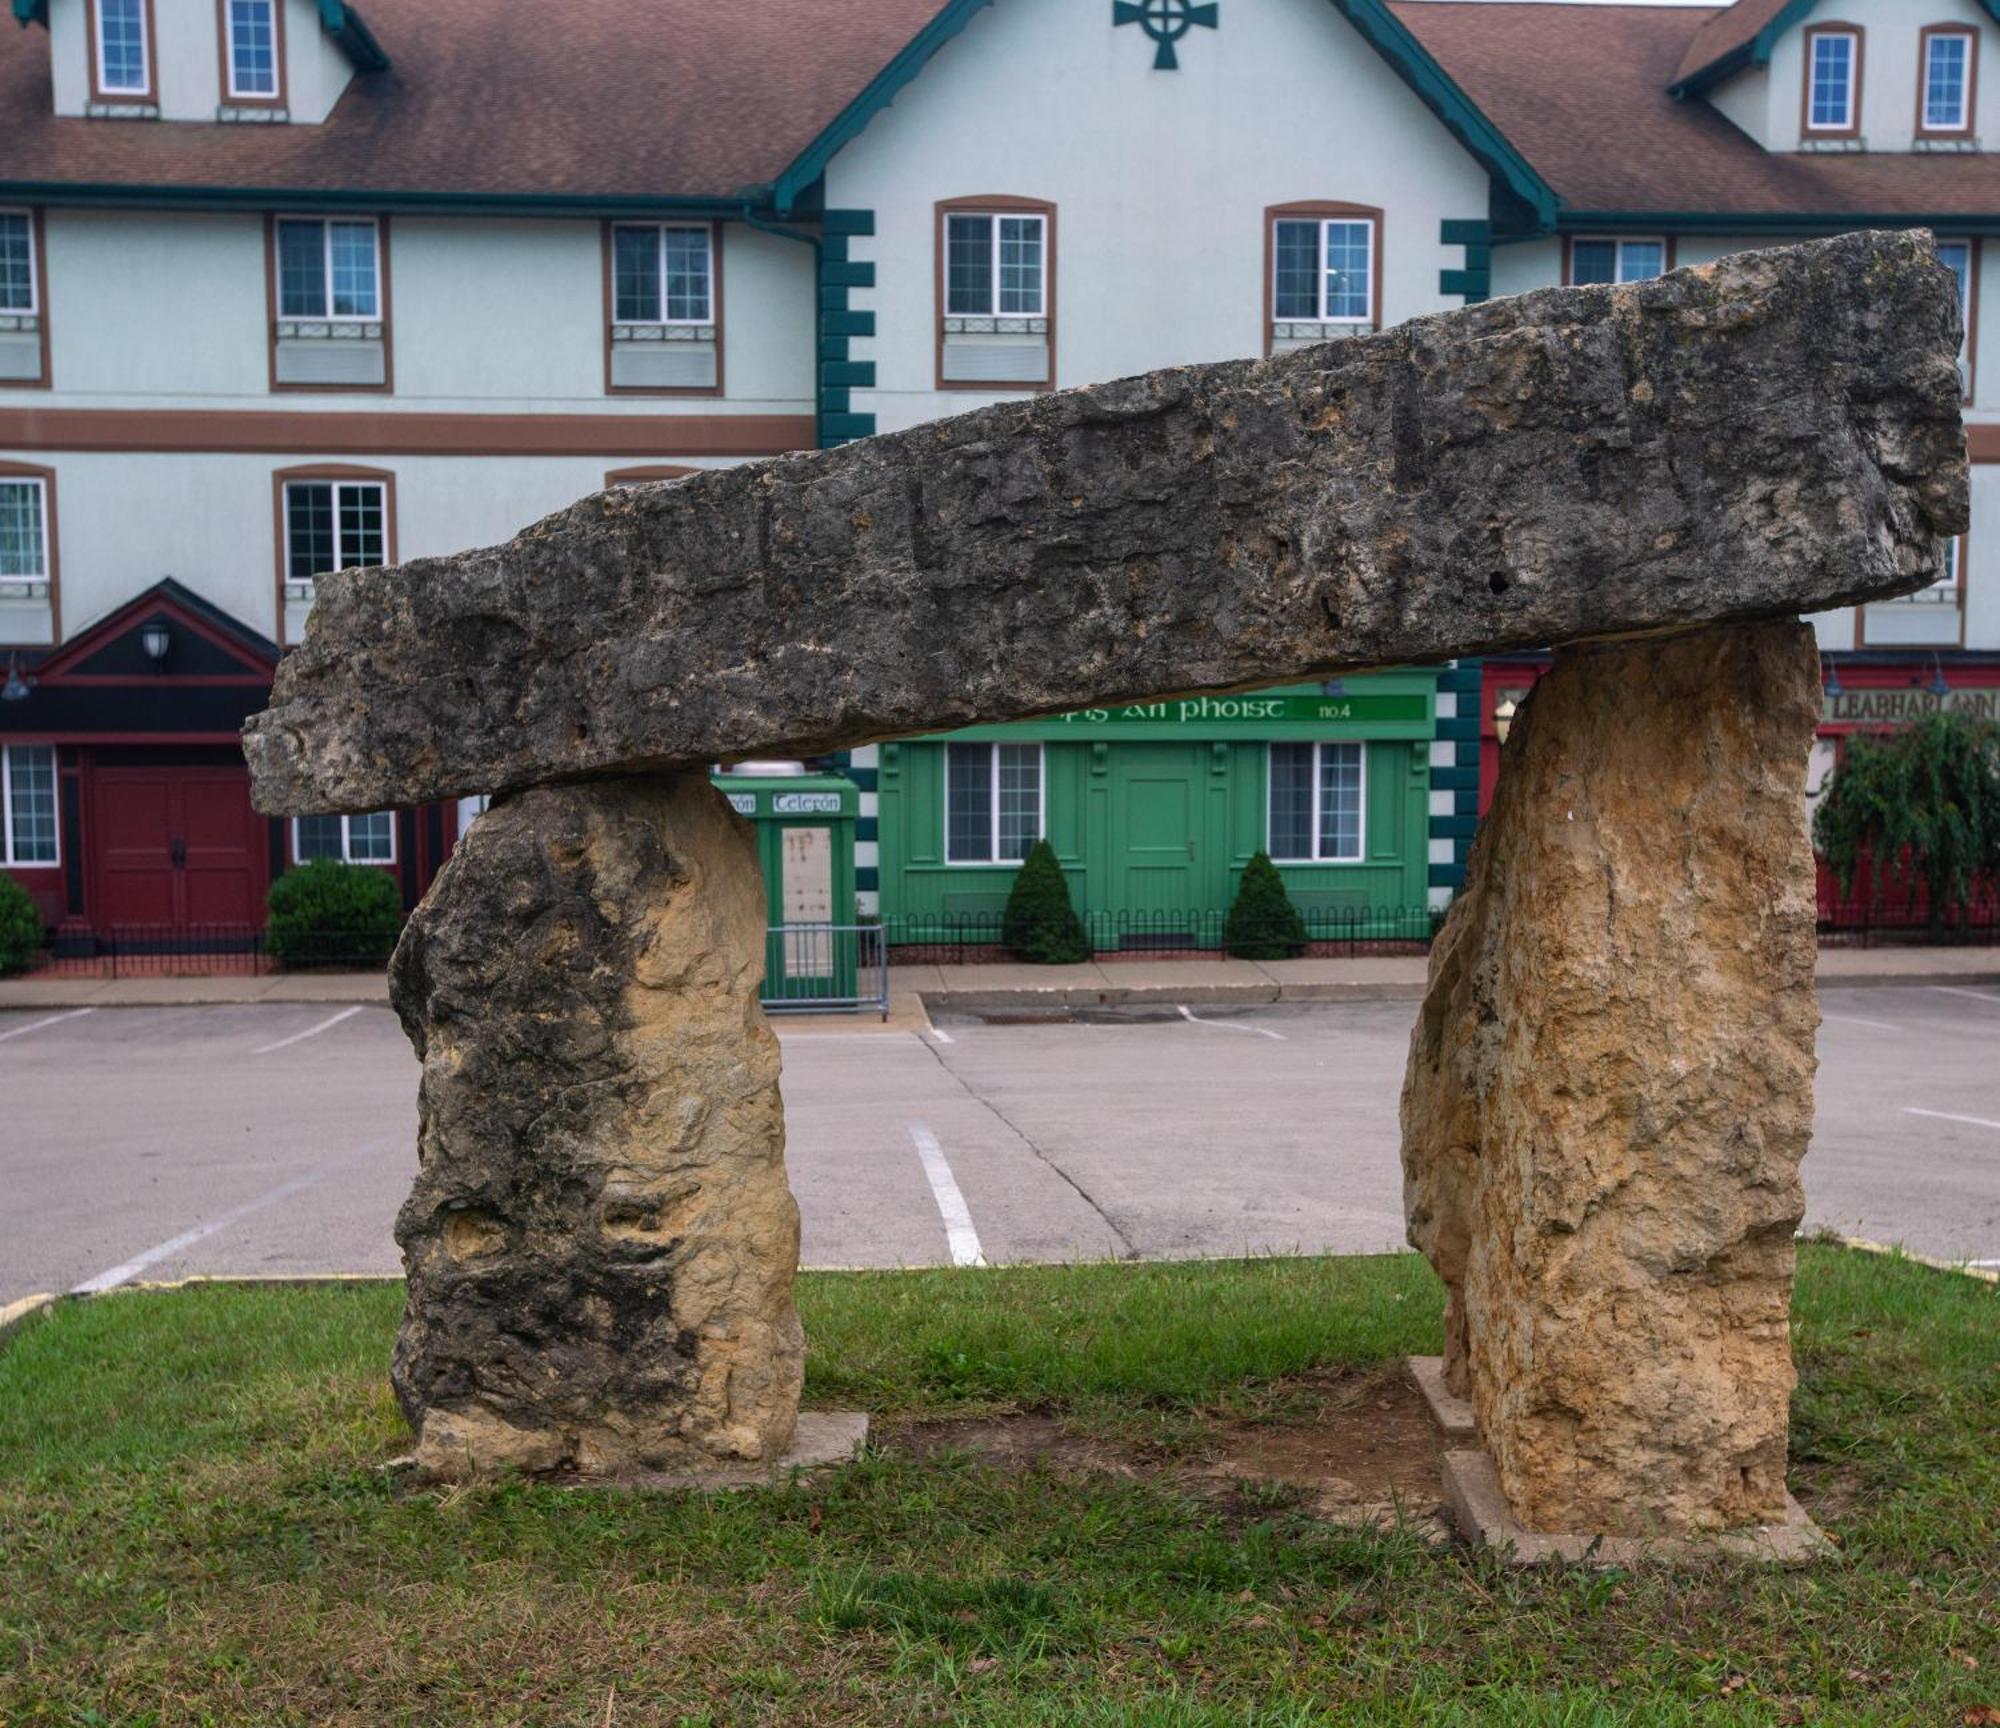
151, 309
123, 522
1160, 181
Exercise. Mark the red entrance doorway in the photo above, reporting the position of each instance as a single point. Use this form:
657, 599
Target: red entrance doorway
177, 843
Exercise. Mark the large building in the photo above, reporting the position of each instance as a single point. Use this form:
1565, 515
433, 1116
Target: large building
287, 285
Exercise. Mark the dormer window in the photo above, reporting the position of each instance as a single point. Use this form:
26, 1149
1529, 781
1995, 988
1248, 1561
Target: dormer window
252, 49
1945, 83
1833, 83
121, 49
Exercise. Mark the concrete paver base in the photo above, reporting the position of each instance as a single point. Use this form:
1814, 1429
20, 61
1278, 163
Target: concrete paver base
1472, 1491
1451, 1413
824, 1438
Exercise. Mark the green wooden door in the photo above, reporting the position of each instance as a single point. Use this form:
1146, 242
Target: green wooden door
1158, 834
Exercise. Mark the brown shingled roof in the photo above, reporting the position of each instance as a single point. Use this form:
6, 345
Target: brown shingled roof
1581, 92
1725, 32
589, 99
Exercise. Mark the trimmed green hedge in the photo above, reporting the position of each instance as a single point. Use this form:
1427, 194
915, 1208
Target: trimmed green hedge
1263, 923
20, 927
331, 914
1040, 925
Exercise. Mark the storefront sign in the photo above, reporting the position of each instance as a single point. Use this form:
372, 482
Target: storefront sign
743, 803
805, 804
1902, 707
1254, 711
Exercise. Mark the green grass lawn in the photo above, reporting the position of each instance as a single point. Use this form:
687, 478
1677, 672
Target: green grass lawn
195, 1528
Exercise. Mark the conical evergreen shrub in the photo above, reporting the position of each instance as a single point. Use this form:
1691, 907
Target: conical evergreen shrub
1040, 924
1263, 923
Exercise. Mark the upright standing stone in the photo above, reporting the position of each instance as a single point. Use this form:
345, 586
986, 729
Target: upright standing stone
601, 1242
1610, 1086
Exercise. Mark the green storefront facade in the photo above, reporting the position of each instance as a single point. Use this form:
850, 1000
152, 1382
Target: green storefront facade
1155, 808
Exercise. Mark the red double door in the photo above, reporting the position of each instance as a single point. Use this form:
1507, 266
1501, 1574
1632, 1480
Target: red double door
176, 844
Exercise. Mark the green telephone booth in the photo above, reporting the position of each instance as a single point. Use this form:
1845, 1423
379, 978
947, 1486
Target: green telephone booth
805, 843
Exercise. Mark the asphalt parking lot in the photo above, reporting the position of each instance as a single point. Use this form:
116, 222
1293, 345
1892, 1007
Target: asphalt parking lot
278, 1139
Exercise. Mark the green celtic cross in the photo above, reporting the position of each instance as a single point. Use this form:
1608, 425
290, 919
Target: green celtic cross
1166, 21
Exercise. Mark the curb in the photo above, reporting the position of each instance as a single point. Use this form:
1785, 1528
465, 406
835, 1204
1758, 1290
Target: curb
16, 1315
1068, 996
1170, 995
1888, 980
1889, 1251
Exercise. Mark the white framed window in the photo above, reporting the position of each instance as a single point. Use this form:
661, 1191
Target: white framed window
333, 525
1945, 590
17, 262
1833, 63
253, 48
995, 264
24, 531
662, 273
1318, 803
1956, 256
1947, 81
1323, 270
1617, 260
346, 839
329, 268
123, 54
28, 804
993, 802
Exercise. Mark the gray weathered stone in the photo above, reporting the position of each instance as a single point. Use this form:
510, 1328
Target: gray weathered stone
1761, 437
600, 1244
1610, 1086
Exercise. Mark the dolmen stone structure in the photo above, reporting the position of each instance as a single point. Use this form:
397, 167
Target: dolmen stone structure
1609, 1088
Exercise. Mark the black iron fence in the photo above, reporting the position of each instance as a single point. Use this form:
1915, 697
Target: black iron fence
1975, 923
207, 951
955, 936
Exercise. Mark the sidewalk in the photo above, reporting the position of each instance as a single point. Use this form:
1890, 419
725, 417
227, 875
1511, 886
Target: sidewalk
1193, 979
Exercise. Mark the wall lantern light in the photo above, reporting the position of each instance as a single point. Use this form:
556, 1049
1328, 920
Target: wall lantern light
1937, 686
1834, 688
156, 639
16, 688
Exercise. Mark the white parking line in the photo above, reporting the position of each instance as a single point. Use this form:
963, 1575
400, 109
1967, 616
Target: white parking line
1194, 1019
1947, 1116
127, 1270
310, 1031
1976, 995
1856, 1020
52, 1020
959, 1234
941, 1037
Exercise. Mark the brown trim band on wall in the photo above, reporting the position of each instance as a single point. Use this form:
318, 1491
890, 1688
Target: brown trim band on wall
387, 320
1982, 442
222, 61
47, 476
325, 471
381, 432
1853, 129
714, 306
1307, 210
1971, 79
997, 204
653, 471
149, 96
